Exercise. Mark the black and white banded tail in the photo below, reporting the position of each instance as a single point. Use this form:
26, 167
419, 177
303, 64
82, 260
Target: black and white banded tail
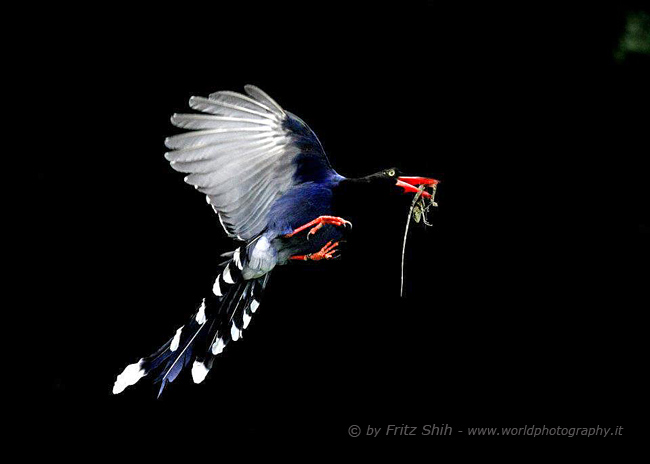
221, 318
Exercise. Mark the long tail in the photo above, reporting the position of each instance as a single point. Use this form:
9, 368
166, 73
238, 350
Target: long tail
220, 318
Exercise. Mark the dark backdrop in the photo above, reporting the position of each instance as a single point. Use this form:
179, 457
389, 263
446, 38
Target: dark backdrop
515, 303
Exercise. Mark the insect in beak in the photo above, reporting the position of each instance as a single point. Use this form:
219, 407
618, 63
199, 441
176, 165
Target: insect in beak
412, 184
419, 207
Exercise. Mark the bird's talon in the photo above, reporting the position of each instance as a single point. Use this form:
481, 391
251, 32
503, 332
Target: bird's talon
313, 230
319, 221
327, 252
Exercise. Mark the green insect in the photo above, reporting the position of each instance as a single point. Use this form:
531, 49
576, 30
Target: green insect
419, 210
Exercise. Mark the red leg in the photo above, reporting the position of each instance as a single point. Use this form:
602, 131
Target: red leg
327, 252
318, 222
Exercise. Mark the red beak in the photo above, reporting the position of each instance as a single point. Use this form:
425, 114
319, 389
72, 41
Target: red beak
412, 184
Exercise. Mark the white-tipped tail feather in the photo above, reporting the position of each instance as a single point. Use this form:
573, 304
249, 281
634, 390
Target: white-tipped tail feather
246, 319
129, 376
227, 277
199, 371
217, 321
234, 333
200, 315
216, 288
177, 339
218, 346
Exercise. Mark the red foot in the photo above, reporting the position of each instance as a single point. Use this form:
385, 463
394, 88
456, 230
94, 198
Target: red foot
318, 222
327, 252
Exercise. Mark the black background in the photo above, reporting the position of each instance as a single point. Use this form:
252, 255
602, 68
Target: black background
517, 305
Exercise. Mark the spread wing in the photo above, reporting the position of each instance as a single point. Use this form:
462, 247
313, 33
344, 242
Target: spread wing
244, 152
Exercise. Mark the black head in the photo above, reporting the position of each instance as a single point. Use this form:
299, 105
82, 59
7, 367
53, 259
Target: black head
386, 176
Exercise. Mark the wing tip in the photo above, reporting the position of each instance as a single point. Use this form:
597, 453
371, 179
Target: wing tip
258, 94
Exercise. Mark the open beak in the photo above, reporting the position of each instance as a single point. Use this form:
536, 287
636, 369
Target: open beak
412, 184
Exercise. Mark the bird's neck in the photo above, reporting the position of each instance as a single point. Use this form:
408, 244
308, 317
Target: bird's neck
357, 181
352, 194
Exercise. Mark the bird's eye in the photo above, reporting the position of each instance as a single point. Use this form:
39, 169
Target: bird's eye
391, 172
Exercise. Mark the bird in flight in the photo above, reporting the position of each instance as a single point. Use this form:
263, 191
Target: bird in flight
266, 175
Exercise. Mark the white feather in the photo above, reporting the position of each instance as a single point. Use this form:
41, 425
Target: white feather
203, 121
199, 371
240, 100
200, 315
254, 305
237, 259
216, 289
226, 275
234, 333
263, 98
209, 136
217, 347
177, 339
247, 319
216, 105
129, 376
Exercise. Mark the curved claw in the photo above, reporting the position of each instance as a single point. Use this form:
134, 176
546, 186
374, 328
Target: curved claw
313, 230
318, 223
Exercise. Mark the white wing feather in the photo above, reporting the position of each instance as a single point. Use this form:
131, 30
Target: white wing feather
238, 153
